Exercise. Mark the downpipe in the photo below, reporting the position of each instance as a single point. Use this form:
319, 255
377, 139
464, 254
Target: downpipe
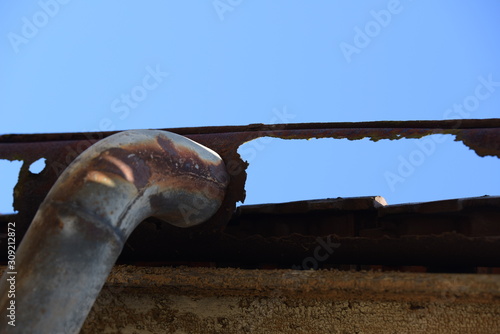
83, 223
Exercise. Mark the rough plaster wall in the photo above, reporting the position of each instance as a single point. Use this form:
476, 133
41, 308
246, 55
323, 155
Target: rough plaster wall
228, 300
144, 310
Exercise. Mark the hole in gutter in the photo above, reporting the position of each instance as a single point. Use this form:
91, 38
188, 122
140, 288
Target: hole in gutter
38, 166
9, 173
431, 168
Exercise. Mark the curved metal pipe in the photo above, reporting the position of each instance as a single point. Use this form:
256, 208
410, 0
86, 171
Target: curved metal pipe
81, 226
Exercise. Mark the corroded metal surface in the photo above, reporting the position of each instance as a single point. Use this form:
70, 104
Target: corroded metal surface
373, 238
461, 232
61, 149
444, 234
96, 203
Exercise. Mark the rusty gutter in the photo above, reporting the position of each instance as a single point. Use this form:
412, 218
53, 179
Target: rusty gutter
424, 124
481, 135
59, 150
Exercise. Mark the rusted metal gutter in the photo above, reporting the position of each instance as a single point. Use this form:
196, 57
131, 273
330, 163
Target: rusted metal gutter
59, 149
372, 229
83, 223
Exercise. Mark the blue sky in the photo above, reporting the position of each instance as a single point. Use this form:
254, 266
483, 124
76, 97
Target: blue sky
89, 66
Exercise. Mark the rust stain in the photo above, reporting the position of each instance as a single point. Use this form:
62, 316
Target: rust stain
483, 141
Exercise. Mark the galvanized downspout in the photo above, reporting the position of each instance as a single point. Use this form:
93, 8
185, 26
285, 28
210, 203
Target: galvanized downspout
83, 223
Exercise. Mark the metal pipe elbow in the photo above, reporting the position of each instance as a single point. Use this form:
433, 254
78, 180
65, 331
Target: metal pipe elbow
83, 223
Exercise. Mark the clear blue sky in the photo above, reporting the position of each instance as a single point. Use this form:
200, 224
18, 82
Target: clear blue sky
88, 66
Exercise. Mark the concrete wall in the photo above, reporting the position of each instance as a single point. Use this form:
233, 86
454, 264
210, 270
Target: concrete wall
209, 300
